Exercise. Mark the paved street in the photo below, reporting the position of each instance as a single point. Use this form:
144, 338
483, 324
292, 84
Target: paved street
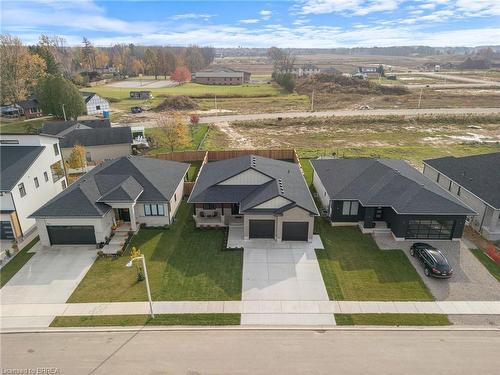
256, 352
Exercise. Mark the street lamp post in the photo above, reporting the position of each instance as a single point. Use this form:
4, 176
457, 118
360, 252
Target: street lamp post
129, 264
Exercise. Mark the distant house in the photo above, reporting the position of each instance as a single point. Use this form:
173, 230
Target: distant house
128, 191
101, 141
10, 111
30, 108
32, 174
141, 95
367, 72
385, 195
221, 76
304, 70
475, 180
95, 104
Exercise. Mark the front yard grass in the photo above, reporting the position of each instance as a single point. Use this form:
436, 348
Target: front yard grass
392, 319
146, 320
354, 268
22, 126
20, 259
184, 264
491, 266
157, 134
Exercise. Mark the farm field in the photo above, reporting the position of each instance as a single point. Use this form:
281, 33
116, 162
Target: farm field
413, 139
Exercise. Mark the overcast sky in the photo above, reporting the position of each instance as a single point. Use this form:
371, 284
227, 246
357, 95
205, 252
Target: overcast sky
300, 23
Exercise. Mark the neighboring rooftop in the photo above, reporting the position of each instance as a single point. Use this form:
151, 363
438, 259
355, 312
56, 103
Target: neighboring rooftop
286, 180
125, 179
220, 72
480, 174
387, 183
56, 127
15, 161
97, 137
87, 96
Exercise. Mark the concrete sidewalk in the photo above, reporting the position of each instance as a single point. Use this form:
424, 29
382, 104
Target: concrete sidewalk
40, 315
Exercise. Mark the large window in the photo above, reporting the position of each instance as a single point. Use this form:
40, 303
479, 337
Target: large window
57, 171
56, 149
431, 229
154, 210
22, 190
350, 208
209, 206
35, 180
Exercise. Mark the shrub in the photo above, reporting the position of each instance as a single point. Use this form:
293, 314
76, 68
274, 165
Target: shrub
194, 118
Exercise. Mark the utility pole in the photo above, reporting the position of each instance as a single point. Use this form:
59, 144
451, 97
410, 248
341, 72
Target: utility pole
64, 112
312, 100
215, 104
420, 97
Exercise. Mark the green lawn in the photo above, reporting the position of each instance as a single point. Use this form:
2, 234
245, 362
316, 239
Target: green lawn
146, 320
490, 265
156, 133
354, 268
392, 319
184, 263
308, 171
15, 264
21, 127
194, 168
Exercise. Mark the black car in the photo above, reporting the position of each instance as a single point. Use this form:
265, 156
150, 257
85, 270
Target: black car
136, 109
434, 262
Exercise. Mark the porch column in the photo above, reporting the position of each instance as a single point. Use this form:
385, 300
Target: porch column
369, 215
133, 224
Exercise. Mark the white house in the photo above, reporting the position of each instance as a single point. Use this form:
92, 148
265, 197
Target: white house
32, 174
95, 104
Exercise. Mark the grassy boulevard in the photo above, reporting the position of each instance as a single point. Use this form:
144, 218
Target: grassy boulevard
20, 259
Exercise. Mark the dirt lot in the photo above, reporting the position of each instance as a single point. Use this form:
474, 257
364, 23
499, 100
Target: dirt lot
411, 138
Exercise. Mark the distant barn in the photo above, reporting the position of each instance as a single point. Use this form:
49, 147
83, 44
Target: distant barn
221, 76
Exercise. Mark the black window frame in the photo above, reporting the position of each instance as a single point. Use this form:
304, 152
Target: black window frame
22, 189
46, 176
37, 184
209, 206
152, 209
56, 149
63, 184
432, 229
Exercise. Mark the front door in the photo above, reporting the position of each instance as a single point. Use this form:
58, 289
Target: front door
379, 214
123, 214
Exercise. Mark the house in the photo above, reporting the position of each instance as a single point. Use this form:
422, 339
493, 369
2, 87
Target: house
10, 111
304, 70
32, 173
101, 141
127, 191
475, 180
141, 95
384, 195
95, 105
268, 197
367, 72
30, 108
221, 76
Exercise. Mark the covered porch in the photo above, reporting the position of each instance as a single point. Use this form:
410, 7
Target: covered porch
217, 214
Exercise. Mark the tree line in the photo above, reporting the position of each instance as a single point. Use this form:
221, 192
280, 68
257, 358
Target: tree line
22, 66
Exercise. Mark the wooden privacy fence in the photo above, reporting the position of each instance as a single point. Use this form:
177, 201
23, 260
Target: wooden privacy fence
188, 187
181, 156
205, 156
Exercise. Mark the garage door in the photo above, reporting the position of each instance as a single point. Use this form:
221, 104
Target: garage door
295, 231
6, 232
71, 234
261, 228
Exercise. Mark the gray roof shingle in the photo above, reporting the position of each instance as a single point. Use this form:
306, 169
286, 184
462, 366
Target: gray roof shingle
56, 127
97, 137
15, 161
388, 183
124, 179
480, 174
295, 188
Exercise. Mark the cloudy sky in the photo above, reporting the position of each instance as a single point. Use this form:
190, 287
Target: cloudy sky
300, 23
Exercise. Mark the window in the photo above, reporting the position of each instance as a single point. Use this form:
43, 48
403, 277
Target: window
46, 176
175, 197
449, 186
98, 107
63, 183
57, 171
209, 206
350, 208
458, 191
35, 180
9, 142
154, 210
88, 156
56, 149
431, 229
439, 176
22, 190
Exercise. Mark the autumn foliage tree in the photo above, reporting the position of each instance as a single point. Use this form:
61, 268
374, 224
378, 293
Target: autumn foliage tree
181, 74
174, 130
77, 159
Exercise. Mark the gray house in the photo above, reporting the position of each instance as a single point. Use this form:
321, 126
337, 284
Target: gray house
268, 197
475, 180
388, 195
126, 191
221, 76
100, 140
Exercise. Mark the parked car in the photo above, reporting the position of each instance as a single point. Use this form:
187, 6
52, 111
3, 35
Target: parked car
434, 262
136, 109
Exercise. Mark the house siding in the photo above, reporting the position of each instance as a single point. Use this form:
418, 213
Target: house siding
103, 152
176, 200
338, 217
322, 193
95, 101
141, 218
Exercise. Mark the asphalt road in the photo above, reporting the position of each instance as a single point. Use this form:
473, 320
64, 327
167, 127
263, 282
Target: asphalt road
345, 113
255, 352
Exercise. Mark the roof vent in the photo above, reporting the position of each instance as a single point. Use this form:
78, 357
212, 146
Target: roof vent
253, 161
280, 186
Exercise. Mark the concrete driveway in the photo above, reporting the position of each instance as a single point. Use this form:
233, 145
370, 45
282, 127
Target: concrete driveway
277, 273
471, 281
50, 276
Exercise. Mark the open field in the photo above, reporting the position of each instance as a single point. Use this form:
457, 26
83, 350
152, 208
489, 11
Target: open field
198, 133
413, 139
184, 264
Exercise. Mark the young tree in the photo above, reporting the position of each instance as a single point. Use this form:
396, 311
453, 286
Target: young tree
19, 70
45, 50
181, 74
77, 159
88, 55
165, 61
150, 62
55, 91
101, 58
175, 130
